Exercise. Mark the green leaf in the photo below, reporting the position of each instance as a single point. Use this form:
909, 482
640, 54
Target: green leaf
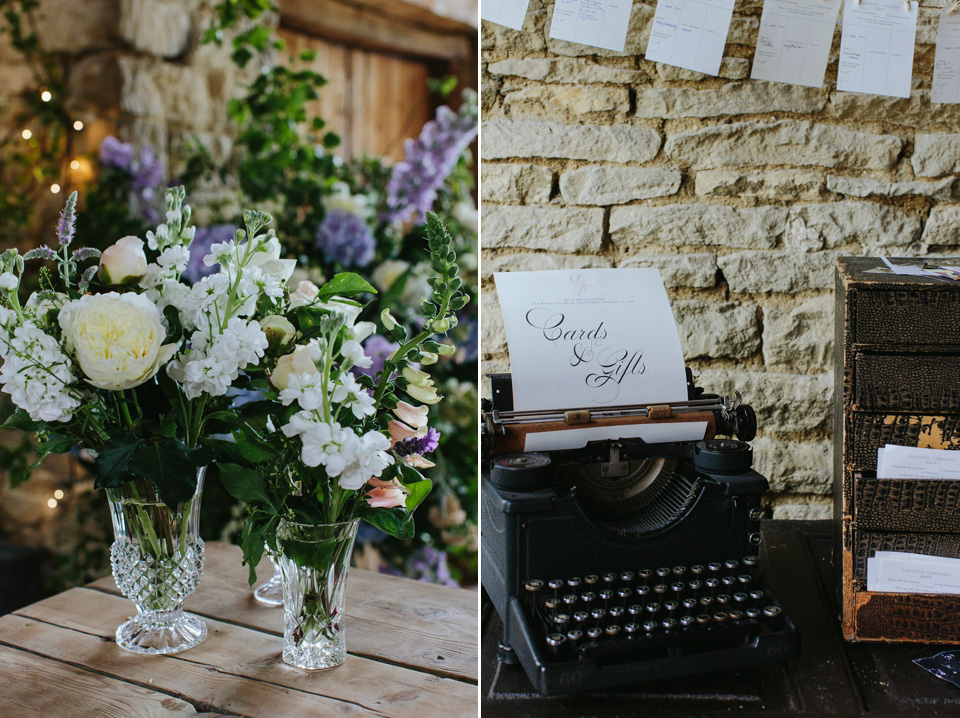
396, 522
113, 461
251, 541
310, 554
56, 444
168, 464
244, 484
418, 492
346, 284
175, 332
21, 420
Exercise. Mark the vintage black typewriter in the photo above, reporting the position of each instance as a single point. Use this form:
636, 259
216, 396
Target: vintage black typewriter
624, 561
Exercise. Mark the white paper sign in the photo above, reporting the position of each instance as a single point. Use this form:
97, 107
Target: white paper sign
598, 23
590, 338
876, 48
690, 34
909, 462
946, 66
894, 572
505, 12
794, 41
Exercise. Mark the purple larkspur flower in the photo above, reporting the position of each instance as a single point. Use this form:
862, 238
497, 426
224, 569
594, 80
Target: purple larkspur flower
344, 238
428, 161
419, 445
114, 153
205, 238
147, 173
378, 348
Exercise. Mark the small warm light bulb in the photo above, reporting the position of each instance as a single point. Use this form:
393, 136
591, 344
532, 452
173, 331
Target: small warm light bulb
55, 188
78, 125
75, 165
58, 494
52, 503
46, 96
26, 134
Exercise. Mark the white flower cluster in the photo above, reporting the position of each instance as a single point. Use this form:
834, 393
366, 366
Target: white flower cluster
216, 309
349, 457
35, 372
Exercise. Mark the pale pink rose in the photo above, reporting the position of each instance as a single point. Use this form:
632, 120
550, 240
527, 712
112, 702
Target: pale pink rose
305, 293
386, 494
300, 362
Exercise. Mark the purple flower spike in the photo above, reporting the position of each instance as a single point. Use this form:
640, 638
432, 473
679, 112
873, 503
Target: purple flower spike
114, 153
66, 227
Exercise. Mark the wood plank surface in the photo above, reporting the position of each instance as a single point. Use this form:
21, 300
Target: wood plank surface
397, 620
36, 687
235, 669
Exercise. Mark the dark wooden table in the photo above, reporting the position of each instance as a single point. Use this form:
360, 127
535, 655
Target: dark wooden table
831, 677
411, 652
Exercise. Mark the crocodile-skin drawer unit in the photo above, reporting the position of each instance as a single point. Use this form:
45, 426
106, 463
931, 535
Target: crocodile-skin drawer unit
898, 382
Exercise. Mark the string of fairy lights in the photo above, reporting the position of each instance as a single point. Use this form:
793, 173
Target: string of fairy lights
75, 164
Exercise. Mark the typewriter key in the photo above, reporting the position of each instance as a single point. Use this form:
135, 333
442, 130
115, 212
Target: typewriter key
581, 617
533, 585
626, 576
556, 584
723, 599
706, 600
696, 570
663, 572
612, 630
631, 628
757, 596
695, 585
570, 599
753, 613
555, 640
751, 561
728, 580
660, 588
677, 587
642, 590
587, 597
679, 570
671, 606
731, 564
609, 578
653, 607
644, 574
624, 593
755, 514
689, 603
574, 636
772, 611
740, 598
591, 579
551, 603
703, 619
735, 615
598, 613
594, 633
754, 539
605, 595
720, 617
573, 582
635, 609
743, 579
687, 621
561, 618
668, 624
650, 626
714, 568
616, 611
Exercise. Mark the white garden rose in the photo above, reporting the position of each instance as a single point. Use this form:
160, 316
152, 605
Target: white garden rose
305, 293
117, 338
278, 329
123, 262
301, 361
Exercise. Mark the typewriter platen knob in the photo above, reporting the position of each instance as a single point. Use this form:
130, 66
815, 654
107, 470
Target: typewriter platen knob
521, 472
723, 456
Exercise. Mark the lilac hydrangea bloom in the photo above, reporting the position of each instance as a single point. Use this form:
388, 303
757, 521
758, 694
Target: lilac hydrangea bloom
428, 161
428, 564
378, 348
205, 238
114, 153
344, 238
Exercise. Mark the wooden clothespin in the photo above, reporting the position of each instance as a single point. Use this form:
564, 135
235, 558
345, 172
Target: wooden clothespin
956, 6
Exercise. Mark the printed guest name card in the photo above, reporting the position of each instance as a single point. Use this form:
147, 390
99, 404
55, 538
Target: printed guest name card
505, 12
876, 48
794, 41
909, 462
946, 66
590, 338
690, 34
598, 23
895, 572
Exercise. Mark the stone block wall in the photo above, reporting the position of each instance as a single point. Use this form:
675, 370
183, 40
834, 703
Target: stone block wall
741, 192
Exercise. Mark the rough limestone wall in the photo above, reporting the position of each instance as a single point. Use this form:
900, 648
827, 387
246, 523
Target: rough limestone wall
741, 192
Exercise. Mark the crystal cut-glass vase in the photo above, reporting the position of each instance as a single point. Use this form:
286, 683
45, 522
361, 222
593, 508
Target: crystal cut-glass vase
314, 562
157, 559
270, 592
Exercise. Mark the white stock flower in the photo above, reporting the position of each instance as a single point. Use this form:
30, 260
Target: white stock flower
37, 374
117, 338
174, 258
349, 393
369, 458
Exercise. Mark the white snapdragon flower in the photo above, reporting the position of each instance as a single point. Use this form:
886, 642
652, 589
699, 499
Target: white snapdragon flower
267, 259
352, 351
37, 374
362, 330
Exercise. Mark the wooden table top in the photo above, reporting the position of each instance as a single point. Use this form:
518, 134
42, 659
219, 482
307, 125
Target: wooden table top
412, 652
830, 678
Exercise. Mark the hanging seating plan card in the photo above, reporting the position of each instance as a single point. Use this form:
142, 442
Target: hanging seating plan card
598, 23
690, 34
946, 66
876, 48
505, 12
794, 41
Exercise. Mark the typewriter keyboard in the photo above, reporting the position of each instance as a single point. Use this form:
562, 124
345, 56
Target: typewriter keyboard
601, 615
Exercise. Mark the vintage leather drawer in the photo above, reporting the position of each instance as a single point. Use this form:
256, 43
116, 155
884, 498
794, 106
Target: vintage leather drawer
907, 506
907, 382
906, 316
867, 432
908, 617
866, 543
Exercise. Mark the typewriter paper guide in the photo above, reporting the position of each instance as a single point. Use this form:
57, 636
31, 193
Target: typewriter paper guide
591, 338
